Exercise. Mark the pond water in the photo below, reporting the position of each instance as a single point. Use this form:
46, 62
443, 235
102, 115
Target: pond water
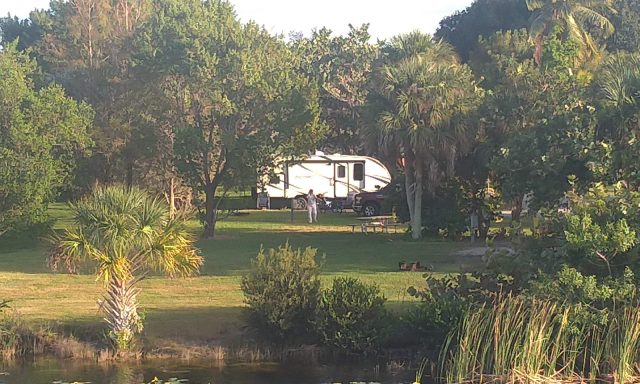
48, 371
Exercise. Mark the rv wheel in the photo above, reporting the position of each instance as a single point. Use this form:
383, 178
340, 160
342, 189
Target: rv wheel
301, 203
370, 209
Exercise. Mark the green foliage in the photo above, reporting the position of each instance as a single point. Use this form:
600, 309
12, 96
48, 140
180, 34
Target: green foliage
599, 226
445, 300
529, 257
432, 320
482, 18
26, 31
627, 23
423, 99
523, 340
342, 67
230, 93
351, 316
577, 19
125, 233
19, 339
282, 291
540, 143
87, 47
617, 87
592, 300
41, 131
558, 54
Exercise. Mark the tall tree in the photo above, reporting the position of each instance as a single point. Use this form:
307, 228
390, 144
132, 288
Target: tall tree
237, 100
86, 47
482, 19
540, 142
41, 131
573, 18
423, 97
27, 31
617, 86
626, 20
341, 66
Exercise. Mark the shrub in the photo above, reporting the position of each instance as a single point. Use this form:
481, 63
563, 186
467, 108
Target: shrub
592, 299
445, 301
429, 322
351, 316
282, 291
17, 339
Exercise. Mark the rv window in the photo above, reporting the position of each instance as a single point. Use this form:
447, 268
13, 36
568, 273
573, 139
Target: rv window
358, 172
274, 179
342, 171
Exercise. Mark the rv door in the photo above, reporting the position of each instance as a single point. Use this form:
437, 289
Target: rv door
358, 175
340, 180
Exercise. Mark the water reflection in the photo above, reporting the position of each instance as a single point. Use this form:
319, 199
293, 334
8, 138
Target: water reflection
47, 371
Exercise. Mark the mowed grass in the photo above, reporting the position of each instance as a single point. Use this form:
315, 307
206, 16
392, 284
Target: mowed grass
209, 306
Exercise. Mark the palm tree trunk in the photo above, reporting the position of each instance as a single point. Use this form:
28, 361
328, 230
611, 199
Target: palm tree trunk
121, 311
416, 222
409, 181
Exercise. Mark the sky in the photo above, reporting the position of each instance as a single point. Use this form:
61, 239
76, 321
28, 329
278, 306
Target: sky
386, 17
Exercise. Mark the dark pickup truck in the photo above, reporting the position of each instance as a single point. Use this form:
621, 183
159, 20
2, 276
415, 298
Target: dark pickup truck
368, 203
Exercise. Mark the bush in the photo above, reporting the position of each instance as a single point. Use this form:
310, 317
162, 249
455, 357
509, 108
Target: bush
445, 300
351, 316
18, 339
282, 291
429, 322
592, 299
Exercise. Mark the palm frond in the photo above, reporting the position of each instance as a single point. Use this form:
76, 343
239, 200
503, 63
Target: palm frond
533, 5
591, 17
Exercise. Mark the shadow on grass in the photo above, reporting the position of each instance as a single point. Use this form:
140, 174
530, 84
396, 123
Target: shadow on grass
343, 252
185, 326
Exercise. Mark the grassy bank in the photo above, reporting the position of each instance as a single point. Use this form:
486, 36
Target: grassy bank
208, 308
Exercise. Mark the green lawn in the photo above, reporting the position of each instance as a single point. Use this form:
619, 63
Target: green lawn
209, 307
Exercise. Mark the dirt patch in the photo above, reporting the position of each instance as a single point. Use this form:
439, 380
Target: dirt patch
481, 251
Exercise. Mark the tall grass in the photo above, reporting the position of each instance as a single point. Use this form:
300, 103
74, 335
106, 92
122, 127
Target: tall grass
17, 339
516, 340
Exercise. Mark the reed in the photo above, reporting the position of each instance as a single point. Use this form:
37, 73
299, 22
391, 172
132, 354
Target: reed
516, 340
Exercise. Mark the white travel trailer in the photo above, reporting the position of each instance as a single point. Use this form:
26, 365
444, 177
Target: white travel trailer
336, 177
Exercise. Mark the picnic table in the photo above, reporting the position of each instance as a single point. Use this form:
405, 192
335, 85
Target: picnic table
374, 222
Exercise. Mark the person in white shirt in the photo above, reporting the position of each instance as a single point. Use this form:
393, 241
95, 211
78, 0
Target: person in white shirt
312, 207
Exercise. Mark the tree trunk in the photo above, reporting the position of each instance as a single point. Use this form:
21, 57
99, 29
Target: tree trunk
129, 175
516, 210
210, 212
416, 223
484, 224
121, 311
172, 198
409, 181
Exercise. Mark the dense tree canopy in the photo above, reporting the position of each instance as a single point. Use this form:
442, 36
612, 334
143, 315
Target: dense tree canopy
482, 18
573, 18
342, 67
237, 102
189, 100
42, 133
423, 98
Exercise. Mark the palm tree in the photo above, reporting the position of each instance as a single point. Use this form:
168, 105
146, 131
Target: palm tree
618, 85
573, 17
618, 90
126, 234
425, 94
